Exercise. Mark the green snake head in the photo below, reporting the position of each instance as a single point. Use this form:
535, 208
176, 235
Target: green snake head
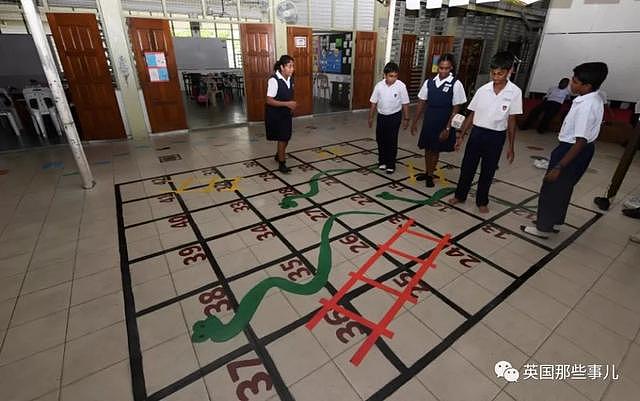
288, 203
203, 330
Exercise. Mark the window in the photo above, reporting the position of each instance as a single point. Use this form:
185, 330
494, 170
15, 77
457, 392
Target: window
181, 29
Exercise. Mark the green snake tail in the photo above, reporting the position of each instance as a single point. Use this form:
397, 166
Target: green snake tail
436, 197
213, 329
288, 202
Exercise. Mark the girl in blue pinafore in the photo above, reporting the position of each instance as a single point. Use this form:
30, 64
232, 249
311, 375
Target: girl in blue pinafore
442, 97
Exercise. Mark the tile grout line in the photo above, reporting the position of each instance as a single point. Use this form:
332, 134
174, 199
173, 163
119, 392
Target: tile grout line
15, 306
64, 349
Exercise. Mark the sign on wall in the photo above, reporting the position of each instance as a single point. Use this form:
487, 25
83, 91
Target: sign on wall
157, 66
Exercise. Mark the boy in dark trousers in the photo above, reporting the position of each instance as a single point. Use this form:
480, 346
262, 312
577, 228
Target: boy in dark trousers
391, 99
571, 158
493, 117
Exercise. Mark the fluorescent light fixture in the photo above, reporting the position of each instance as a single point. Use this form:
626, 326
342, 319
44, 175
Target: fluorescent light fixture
458, 3
527, 2
412, 4
487, 1
431, 4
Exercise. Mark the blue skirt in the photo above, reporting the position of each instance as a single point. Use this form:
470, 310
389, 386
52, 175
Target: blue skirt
435, 120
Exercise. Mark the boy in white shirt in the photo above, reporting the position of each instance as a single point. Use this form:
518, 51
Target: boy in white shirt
571, 158
493, 115
391, 100
551, 105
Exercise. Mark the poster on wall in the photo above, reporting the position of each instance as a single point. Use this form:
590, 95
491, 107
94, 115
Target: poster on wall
434, 63
157, 66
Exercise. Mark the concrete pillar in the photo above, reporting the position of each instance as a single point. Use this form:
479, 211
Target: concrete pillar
117, 39
280, 30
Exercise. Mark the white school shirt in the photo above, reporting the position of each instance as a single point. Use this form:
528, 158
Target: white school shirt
459, 96
584, 119
389, 99
492, 111
272, 84
557, 95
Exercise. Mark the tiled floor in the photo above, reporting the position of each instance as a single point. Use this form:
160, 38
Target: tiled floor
100, 289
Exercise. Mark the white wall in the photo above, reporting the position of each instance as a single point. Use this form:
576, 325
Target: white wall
578, 31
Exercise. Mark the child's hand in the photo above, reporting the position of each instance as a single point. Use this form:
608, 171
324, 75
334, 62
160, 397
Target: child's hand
552, 175
370, 122
458, 144
414, 129
444, 135
292, 105
405, 124
510, 155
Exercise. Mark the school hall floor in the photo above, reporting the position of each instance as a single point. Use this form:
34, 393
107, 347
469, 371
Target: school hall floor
117, 293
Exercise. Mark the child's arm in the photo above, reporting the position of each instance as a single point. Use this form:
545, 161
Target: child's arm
553, 174
277, 103
445, 132
511, 137
405, 116
416, 116
372, 112
468, 122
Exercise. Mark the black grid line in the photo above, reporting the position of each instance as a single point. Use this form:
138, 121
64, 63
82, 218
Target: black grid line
259, 344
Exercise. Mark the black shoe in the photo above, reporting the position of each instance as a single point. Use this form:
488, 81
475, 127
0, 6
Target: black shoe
276, 158
283, 168
633, 213
421, 177
429, 182
553, 230
602, 202
391, 170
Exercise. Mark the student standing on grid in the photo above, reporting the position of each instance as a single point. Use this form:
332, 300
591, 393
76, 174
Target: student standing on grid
571, 158
443, 96
493, 117
391, 99
279, 108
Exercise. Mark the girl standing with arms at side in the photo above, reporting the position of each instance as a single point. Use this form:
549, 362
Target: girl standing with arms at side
442, 96
279, 108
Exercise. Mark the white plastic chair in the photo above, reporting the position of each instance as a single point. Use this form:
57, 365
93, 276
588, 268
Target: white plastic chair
40, 102
7, 109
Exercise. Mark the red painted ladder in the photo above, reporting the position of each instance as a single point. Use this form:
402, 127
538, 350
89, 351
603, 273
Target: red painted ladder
380, 328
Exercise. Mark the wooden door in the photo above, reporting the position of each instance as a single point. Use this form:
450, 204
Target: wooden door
470, 63
438, 45
364, 69
407, 54
151, 40
258, 58
83, 58
300, 47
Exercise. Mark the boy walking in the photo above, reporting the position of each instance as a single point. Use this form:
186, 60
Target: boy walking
493, 118
391, 99
571, 158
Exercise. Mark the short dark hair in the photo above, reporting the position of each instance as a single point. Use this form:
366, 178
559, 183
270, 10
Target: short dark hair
591, 73
564, 82
284, 60
502, 60
391, 67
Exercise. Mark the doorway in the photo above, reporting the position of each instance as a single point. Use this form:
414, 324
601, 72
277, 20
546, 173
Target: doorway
209, 62
332, 80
